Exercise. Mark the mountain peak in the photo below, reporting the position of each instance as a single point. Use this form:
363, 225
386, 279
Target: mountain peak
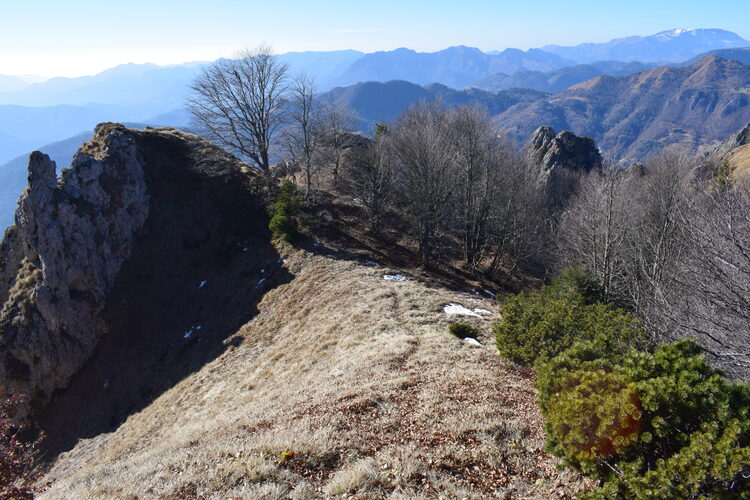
678, 32
727, 36
675, 45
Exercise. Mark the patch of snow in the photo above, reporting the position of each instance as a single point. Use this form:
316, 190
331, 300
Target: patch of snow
472, 341
262, 271
459, 310
191, 331
203, 283
371, 263
244, 249
260, 282
394, 277
482, 311
490, 293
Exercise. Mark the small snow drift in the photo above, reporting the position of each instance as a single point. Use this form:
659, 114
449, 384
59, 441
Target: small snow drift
472, 341
190, 332
394, 277
459, 310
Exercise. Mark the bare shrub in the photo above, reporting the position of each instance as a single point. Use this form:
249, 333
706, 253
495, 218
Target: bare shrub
17, 475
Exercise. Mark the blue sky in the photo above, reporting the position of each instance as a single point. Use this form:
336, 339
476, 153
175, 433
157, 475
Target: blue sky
76, 37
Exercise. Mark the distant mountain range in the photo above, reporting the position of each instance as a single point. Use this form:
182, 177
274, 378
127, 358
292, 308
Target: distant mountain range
162, 87
558, 79
384, 101
742, 55
634, 116
667, 46
455, 66
34, 113
23, 128
141, 92
11, 83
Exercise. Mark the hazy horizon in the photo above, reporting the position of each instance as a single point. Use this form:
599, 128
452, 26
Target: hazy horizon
52, 39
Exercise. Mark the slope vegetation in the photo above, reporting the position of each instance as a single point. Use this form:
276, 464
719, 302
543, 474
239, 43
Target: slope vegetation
343, 383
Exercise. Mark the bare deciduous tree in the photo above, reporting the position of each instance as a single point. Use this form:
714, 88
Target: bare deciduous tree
303, 128
477, 152
371, 177
659, 238
594, 230
674, 247
337, 121
422, 146
520, 224
707, 295
238, 103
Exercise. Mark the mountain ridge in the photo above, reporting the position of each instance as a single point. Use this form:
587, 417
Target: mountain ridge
200, 353
634, 116
666, 46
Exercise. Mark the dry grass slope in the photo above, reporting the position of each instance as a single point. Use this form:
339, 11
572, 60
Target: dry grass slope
344, 384
740, 160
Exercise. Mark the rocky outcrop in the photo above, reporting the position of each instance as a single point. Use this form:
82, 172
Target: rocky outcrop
73, 236
561, 159
564, 150
733, 153
70, 240
742, 138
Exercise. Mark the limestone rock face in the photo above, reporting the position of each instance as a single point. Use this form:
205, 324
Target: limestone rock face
561, 158
59, 261
743, 137
563, 150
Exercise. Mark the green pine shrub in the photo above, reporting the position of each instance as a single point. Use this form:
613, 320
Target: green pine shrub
646, 421
463, 330
541, 325
283, 212
594, 415
661, 423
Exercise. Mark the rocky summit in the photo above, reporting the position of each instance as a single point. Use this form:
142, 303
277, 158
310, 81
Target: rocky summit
562, 158
60, 263
61, 259
563, 150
